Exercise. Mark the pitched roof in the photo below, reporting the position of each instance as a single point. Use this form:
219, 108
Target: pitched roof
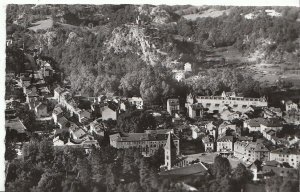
15, 124
225, 139
142, 137
79, 133
173, 102
286, 151
62, 120
256, 122
57, 110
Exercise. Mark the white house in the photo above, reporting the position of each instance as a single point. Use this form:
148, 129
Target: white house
289, 105
188, 67
137, 101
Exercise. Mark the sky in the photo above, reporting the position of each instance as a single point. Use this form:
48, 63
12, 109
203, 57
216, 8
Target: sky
155, 2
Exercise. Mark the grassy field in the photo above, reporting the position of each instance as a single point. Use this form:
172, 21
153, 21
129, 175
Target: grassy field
43, 24
207, 13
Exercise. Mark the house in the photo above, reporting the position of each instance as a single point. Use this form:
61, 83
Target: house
211, 129
147, 143
41, 110
287, 155
225, 144
173, 106
15, 124
137, 102
280, 169
57, 93
195, 131
293, 117
109, 111
251, 151
83, 114
226, 125
188, 67
195, 110
289, 105
208, 142
270, 134
179, 75
253, 124
98, 127
256, 171
44, 91
62, 122
78, 133
272, 112
57, 113
272, 123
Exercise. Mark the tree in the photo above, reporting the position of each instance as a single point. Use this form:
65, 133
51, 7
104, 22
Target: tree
10, 151
84, 172
50, 182
221, 167
241, 175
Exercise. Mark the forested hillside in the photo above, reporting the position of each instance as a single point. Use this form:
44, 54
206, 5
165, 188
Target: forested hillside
131, 50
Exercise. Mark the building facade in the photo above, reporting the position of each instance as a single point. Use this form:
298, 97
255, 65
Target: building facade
290, 156
219, 103
147, 143
173, 106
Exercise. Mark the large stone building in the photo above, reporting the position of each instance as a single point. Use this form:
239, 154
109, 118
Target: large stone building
290, 156
225, 144
225, 101
147, 143
251, 151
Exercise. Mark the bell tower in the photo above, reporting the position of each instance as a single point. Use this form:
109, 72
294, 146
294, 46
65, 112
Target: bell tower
170, 152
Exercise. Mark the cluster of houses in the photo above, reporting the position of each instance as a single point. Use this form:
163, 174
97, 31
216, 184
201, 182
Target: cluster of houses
180, 74
85, 118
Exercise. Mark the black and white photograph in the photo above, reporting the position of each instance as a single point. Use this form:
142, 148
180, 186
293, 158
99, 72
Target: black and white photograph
156, 97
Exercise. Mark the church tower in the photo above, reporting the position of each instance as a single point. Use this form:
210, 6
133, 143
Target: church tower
170, 152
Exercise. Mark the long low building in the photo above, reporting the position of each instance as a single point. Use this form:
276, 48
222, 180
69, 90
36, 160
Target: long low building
148, 143
227, 99
290, 156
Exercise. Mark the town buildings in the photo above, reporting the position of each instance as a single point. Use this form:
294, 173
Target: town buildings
290, 156
136, 101
209, 144
147, 143
251, 151
173, 106
225, 144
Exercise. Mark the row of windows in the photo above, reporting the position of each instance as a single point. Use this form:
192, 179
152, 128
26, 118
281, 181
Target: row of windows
218, 105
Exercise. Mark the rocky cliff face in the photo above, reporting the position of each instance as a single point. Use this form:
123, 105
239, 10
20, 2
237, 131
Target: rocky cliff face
131, 38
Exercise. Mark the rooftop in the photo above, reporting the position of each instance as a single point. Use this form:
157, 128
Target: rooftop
225, 139
286, 151
141, 137
15, 124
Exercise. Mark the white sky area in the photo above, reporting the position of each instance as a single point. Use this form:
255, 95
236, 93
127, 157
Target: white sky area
155, 2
